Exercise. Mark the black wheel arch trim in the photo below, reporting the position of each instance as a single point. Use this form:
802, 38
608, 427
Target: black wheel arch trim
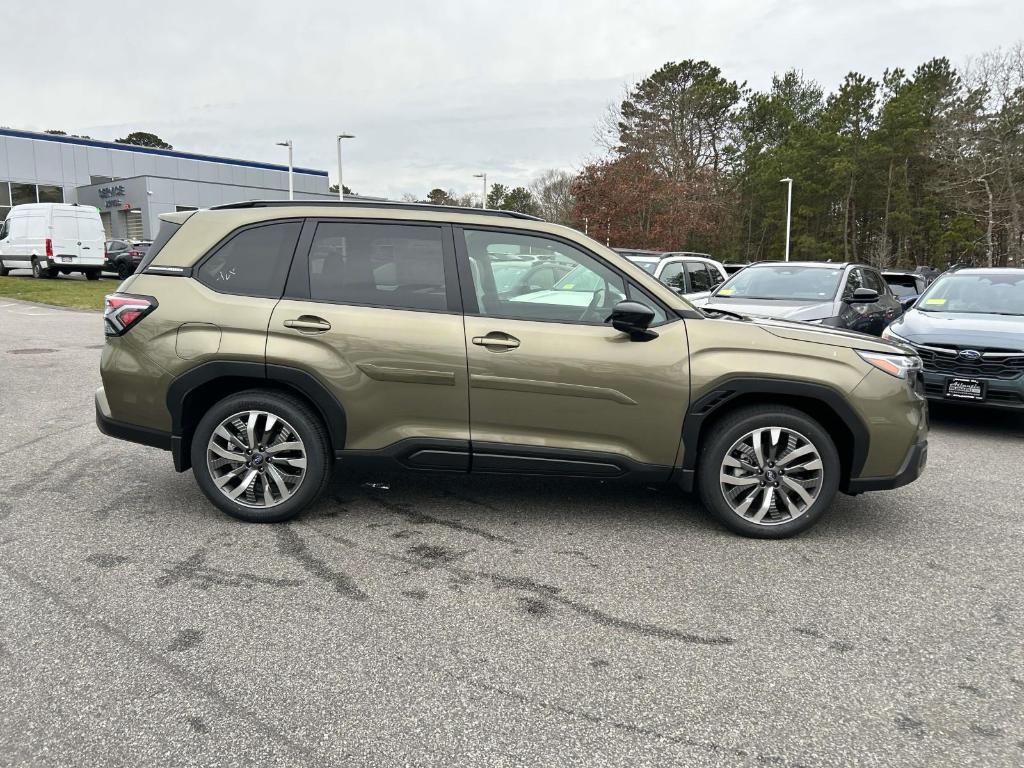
728, 390
305, 383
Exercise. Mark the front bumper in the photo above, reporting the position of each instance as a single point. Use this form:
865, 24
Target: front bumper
999, 393
911, 469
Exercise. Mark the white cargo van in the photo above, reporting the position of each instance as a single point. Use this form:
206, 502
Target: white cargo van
52, 239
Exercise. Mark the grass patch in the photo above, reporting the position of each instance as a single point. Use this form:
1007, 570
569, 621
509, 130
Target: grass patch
63, 291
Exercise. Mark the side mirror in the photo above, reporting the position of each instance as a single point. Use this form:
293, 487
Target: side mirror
908, 301
863, 296
633, 318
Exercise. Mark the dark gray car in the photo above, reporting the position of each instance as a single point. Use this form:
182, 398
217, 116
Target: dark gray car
851, 296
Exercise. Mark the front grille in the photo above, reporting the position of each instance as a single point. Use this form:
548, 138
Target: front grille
993, 364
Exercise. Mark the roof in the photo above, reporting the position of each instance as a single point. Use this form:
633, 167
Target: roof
374, 204
824, 264
988, 271
153, 151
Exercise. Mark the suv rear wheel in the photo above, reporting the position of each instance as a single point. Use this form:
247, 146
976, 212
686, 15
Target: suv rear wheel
769, 471
261, 456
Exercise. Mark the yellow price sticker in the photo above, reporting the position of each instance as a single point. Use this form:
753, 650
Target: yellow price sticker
934, 301
726, 292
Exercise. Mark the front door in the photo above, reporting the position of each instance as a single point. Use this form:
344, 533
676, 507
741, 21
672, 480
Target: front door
373, 311
552, 388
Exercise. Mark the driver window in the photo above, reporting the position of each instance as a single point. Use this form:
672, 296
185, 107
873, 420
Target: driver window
524, 277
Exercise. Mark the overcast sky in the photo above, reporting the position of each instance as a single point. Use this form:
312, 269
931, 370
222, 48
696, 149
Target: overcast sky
435, 91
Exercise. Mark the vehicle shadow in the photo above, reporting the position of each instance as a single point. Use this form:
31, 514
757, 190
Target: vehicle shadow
976, 420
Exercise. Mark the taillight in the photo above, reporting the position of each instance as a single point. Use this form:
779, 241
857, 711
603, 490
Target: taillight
123, 311
49, 248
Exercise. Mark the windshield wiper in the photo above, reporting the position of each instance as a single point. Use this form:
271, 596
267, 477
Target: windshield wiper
713, 312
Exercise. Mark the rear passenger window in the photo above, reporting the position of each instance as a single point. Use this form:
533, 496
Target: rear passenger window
381, 265
700, 278
254, 262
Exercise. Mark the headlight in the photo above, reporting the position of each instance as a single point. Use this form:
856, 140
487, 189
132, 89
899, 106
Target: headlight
895, 365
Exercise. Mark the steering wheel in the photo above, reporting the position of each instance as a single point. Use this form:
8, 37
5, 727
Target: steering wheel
593, 311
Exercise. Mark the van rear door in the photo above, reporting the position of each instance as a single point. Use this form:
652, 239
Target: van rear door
64, 234
90, 235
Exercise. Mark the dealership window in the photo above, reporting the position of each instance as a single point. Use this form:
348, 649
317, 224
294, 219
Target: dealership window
16, 193
23, 193
50, 194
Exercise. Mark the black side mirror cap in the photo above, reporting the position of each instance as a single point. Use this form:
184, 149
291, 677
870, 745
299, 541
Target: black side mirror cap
908, 301
863, 296
633, 319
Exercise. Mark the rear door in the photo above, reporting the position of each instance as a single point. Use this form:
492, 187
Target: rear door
373, 311
90, 235
67, 243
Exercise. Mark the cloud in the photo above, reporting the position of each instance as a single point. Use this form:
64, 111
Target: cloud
434, 91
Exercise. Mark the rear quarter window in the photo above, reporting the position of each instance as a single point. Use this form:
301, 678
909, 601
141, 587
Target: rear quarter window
253, 261
166, 232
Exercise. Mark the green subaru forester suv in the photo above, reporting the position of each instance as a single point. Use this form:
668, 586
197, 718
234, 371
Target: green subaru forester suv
261, 343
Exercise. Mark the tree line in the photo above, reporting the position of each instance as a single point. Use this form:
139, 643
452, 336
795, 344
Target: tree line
921, 167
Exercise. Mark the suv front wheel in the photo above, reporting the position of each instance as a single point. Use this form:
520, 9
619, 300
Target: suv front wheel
261, 456
768, 471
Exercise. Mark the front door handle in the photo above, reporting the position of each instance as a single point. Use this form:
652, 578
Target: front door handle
308, 324
497, 341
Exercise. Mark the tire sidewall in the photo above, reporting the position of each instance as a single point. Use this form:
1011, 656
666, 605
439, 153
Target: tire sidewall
734, 427
310, 431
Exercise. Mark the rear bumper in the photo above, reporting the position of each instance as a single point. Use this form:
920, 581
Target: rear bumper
911, 469
74, 262
130, 432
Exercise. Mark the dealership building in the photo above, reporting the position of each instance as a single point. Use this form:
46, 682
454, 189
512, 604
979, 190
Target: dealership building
132, 186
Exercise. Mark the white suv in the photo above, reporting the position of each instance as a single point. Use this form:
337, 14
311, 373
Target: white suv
693, 275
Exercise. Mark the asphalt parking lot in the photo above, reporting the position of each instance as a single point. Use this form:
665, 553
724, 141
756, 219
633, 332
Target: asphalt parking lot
447, 621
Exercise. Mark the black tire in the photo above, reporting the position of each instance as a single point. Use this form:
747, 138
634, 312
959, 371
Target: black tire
38, 271
92, 274
4, 271
124, 270
734, 427
306, 424
65, 271
53, 273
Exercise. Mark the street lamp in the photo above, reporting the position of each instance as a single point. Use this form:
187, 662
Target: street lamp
341, 186
789, 208
483, 200
291, 183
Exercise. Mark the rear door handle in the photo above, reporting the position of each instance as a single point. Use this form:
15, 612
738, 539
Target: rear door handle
497, 341
308, 324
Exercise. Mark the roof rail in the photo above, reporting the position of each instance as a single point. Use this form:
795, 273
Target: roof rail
377, 204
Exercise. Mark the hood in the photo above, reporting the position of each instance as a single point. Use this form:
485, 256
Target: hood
961, 329
834, 337
788, 310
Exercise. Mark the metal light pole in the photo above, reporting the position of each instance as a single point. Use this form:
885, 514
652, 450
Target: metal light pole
789, 209
341, 186
291, 180
483, 200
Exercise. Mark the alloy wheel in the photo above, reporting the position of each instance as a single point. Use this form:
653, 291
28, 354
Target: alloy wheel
256, 459
771, 475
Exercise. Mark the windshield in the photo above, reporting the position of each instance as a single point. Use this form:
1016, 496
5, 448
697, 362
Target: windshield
901, 286
783, 283
986, 294
581, 280
507, 273
649, 266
